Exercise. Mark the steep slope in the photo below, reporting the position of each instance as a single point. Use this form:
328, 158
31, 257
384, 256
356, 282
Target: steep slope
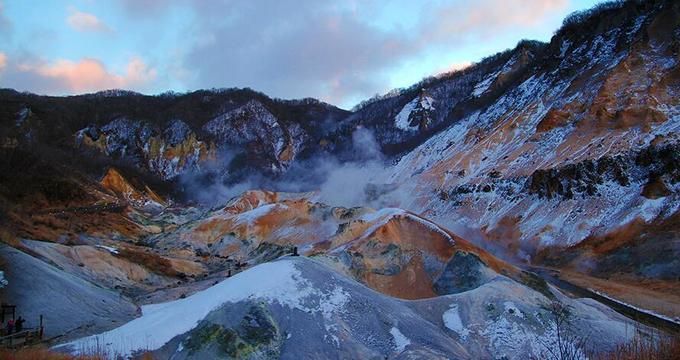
586, 143
295, 307
70, 306
116, 183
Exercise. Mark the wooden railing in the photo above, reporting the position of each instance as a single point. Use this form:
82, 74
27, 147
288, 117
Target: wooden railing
24, 337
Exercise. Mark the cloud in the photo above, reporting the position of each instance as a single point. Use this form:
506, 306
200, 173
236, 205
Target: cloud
86, 22
311, 49
69, 77
339, 52
3, 62
323, 50
484, 18
456, 66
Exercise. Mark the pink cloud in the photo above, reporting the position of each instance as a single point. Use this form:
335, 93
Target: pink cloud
456, 66
488, 17
89, 75
3, 61
86, 22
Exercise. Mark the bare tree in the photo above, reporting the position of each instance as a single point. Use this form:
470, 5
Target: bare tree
564, 344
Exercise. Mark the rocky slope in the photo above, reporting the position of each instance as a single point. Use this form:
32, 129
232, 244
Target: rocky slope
584, 144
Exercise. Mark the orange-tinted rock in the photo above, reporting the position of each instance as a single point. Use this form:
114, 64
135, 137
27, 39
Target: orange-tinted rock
554, 118
114, 181
655, 188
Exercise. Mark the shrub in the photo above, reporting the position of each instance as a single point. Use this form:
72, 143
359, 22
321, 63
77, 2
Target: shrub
661, 347
40, 353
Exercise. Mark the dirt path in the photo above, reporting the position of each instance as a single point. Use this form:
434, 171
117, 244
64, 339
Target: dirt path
553, 277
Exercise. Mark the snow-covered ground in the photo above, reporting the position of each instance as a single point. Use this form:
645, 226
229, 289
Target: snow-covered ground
314, 309
402, 120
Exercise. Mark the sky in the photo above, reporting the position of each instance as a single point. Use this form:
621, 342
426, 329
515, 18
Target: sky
341, 52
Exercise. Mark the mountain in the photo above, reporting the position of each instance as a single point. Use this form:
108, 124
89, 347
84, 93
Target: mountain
582, 147
450, 219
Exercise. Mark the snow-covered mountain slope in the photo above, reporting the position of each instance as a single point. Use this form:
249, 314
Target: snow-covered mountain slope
573, 151
298, 308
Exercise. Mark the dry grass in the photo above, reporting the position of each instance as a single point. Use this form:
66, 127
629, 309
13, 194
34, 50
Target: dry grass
39, 353
42, 353
8, 238
151, 261
645, 348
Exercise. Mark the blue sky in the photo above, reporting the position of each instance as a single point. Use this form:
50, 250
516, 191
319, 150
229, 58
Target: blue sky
341, 52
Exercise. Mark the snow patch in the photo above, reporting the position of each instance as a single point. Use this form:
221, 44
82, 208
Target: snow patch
453, 321
400, 341
251, 216
483, 85
110, 249
402, 118
512, 309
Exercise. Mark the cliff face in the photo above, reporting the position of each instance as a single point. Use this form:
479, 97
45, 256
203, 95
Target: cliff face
166, 152
170, 135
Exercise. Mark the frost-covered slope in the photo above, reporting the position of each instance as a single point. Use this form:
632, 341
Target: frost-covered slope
572, 152
296, 307
69, 305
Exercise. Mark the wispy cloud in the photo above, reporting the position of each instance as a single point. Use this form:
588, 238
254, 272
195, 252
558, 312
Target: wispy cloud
69, 77
86, 22
320, 49
456, 66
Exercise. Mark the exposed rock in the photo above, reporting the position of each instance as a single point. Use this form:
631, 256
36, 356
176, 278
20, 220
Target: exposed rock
255, 337
655, 188
115, 182
463, 272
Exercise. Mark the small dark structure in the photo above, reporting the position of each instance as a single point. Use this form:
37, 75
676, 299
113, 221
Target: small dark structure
7, 312
20, 336
295, 251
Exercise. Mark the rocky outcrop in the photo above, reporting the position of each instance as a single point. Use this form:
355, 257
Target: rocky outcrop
119, 185
463, 272
649, 166
580, 178
254, 126
167, 153
256, 336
